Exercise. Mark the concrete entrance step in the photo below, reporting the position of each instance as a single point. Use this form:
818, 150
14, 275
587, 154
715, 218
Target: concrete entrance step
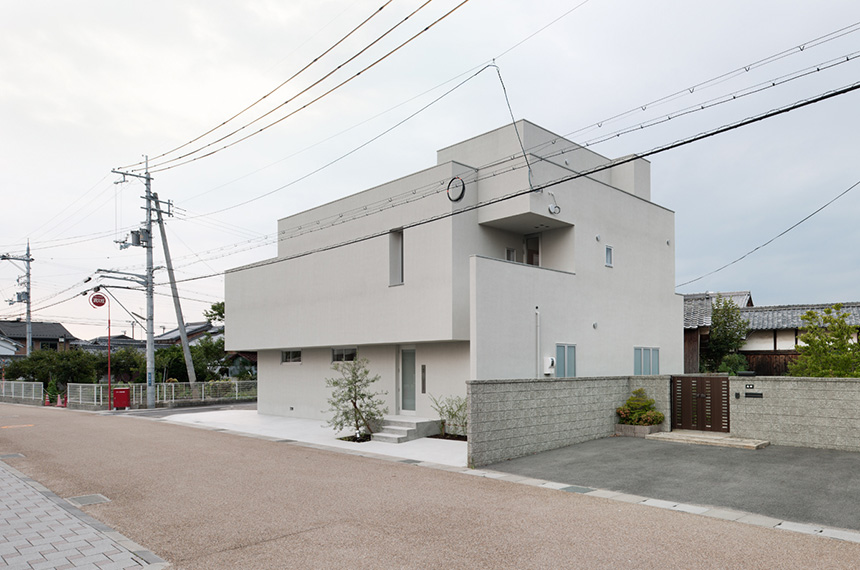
399, 429
708, 438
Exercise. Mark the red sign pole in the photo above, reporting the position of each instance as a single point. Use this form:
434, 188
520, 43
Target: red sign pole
98, 300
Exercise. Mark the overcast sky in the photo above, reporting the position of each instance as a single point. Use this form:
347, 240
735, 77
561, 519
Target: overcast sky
90, 86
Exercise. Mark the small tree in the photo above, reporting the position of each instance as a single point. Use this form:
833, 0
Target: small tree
728, 332
215, 313
352, 401
828, 348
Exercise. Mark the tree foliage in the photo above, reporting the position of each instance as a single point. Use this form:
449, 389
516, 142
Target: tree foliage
208, 356
353, 403
829, 348
727, 333
126, 365
64, 367
215, 313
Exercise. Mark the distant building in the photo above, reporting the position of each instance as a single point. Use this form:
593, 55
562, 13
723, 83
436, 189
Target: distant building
697, 322
774, 330
194, 331
450, 277
775, 333
8, 347
46, 336
117, 342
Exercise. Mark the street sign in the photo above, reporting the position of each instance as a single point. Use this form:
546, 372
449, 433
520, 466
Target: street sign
98, 300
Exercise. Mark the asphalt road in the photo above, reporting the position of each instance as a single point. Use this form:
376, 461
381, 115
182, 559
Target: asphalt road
210, 500
798, 484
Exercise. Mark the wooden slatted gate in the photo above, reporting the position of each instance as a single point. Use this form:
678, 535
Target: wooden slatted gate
700, 403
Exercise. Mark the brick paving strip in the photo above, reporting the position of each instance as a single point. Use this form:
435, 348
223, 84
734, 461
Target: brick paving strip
39, 530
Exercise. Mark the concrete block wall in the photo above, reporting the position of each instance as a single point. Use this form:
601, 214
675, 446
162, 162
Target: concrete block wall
805, 412
514, 418
26, 401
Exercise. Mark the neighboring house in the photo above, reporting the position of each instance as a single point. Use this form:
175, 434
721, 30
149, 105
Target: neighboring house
117, 342
46, 336
775, 332
194, 331
697, 322
574, 280
9, 347
242, 364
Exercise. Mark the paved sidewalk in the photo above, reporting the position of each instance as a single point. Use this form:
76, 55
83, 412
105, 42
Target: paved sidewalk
39, 530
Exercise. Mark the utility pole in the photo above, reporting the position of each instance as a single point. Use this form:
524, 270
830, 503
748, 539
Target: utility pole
25, 296
143, 238
183, 336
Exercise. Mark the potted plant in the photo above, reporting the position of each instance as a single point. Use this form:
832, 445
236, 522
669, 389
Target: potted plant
637, 417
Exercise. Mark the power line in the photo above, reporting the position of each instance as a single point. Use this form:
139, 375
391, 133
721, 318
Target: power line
726, 76
771, 240
568, 178
353, 151
296, 74
411, 196
305, 106
696, 108
755, 89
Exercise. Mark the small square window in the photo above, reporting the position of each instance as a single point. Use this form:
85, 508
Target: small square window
510, 254
608, 256
343, 354
646, 361
291, 356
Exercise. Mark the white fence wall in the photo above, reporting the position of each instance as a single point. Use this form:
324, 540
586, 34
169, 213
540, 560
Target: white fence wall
14, 391
165, 393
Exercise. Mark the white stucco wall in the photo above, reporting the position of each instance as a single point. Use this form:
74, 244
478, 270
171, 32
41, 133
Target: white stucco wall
343, 295
505, 333
299, 390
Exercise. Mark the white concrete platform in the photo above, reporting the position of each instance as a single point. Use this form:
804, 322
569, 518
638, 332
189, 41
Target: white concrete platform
316, 432
708, 438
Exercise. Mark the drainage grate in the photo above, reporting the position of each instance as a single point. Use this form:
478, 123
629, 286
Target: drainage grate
85, 500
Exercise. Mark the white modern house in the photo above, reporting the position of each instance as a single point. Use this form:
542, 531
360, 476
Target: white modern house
445, 275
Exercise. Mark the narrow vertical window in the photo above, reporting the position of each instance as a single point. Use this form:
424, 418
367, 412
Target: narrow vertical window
532, 250
510, 254
395, 257
565, 360
608, 256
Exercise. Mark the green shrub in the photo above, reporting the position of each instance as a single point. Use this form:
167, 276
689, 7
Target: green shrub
639, 410
453, 417
732, 364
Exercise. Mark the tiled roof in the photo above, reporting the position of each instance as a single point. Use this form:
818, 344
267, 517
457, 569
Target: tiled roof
698, 306
18, 329
789, 316
191, 329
